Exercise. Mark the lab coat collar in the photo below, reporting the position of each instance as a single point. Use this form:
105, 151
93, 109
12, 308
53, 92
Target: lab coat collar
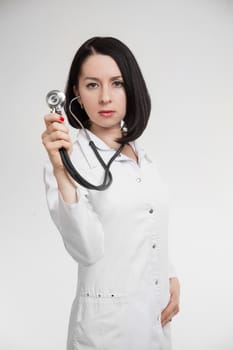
105, 150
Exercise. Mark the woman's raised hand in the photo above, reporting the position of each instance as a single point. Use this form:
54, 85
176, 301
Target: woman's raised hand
54, 137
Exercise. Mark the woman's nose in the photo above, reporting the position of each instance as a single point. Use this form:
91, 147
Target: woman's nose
105, 95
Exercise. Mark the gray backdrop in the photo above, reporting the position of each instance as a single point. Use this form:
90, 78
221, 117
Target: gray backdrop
185, 50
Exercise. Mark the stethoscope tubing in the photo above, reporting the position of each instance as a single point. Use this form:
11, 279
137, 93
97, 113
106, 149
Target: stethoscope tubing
79, 179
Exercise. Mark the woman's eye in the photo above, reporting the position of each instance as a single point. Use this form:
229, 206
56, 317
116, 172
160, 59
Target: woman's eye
118, 83
91, 85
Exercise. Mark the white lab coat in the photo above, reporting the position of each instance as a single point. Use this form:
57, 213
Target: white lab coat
118, 237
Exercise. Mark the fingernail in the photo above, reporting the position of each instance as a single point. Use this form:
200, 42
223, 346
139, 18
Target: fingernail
61, 118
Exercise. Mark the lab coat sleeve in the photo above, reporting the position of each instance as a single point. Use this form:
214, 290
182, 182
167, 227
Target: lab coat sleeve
79, 225
171, 268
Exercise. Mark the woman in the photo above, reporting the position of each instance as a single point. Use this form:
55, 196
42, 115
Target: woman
127, 291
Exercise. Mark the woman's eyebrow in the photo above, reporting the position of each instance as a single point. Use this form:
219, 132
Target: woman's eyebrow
91, 78
117, 77
96, 79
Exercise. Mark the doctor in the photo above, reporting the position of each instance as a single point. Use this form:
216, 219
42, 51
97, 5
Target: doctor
127, 291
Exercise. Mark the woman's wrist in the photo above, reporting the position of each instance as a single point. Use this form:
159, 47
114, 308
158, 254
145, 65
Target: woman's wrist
66, 185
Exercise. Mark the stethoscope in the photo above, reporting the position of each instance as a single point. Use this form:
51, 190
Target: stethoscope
56, 100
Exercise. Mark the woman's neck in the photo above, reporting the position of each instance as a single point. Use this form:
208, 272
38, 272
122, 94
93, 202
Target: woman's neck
108, 135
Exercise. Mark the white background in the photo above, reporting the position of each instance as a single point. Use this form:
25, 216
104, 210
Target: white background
185, 50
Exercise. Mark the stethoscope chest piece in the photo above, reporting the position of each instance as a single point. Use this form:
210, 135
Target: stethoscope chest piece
56, 100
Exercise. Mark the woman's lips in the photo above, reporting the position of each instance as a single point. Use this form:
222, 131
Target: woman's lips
106, 113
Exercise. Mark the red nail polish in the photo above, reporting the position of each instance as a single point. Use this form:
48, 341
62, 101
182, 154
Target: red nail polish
61, 118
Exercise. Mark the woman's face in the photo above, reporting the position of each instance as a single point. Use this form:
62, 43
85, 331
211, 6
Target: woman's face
102, 93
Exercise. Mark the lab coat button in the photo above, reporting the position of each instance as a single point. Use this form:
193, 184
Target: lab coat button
99, 295
138, 179
156, 282
154, 246
151, 211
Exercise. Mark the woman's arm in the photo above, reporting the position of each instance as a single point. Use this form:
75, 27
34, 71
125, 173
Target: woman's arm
55, 136
78, 223
66, 186
69, 207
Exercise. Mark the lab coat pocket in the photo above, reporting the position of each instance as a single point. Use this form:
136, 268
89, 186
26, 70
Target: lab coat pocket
100, 322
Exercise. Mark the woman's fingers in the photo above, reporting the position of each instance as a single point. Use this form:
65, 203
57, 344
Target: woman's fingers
169, 312
53, 117
53, 142
58, 135
55, 126
55, 137
54, 146
55, 130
